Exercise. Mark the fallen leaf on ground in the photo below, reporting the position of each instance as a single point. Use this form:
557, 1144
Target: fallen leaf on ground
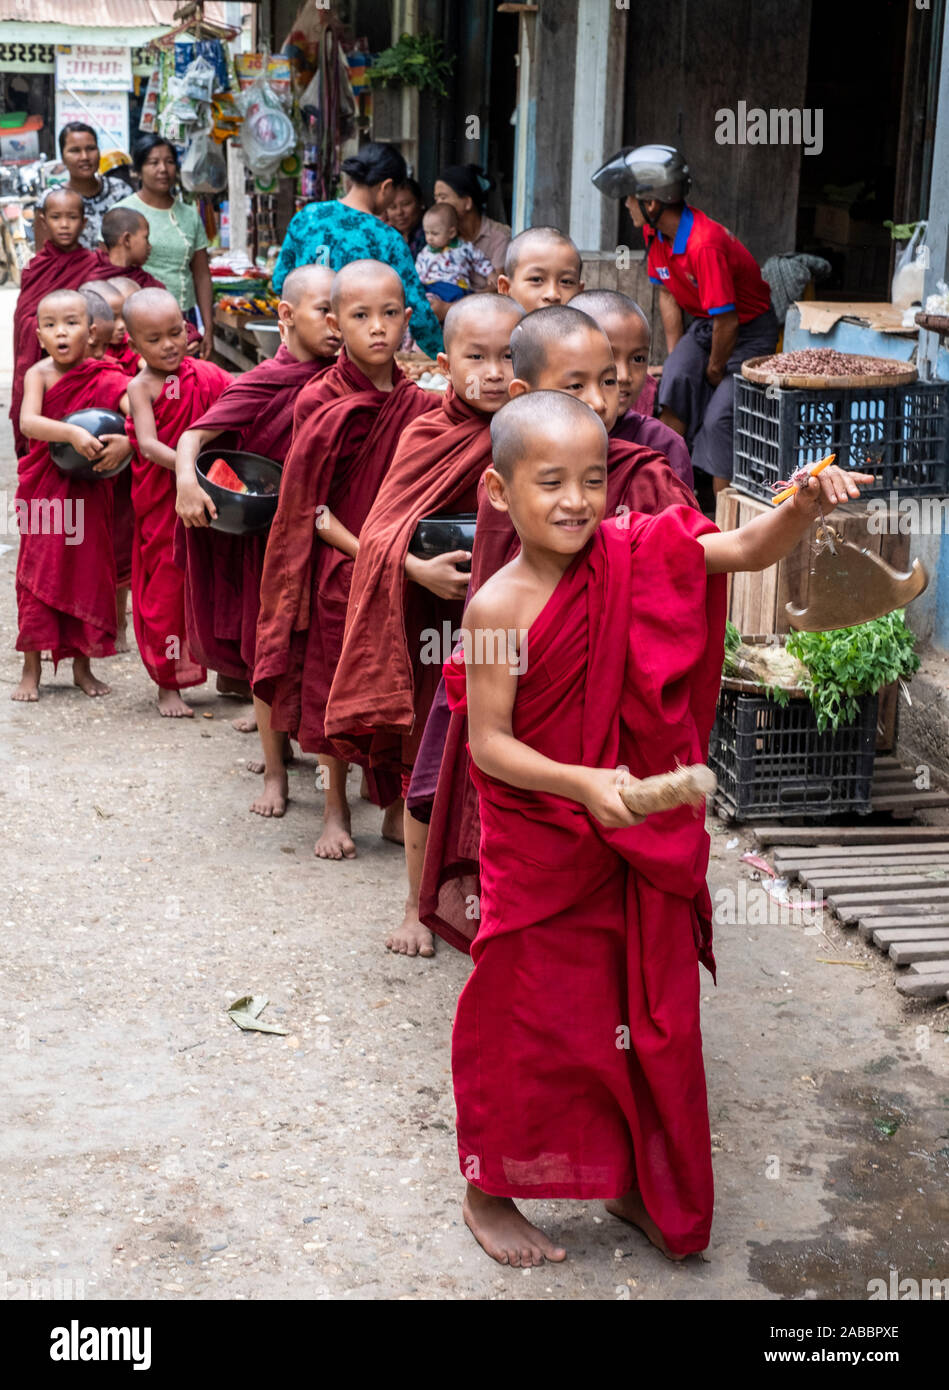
246, 1011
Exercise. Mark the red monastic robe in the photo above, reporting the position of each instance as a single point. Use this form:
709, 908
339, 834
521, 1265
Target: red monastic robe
576, 1051
157, 582
649, 433
66, 592
108, 270
340, 454
637, 480
123, 518
223, 572
392, 624
49, 270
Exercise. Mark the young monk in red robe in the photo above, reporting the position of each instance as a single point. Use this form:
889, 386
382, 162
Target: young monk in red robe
167, 396
398, 602
127, 248
542, 269
576, 1050
553, 349
340, 454
65, 576
61, 265
222, 572
627, 328
118, 349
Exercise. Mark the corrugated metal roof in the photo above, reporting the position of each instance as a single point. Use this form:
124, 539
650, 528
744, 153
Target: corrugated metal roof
102, 14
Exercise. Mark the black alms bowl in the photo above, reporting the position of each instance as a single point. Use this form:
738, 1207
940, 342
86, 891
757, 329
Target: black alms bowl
98, 422
439, 535
241, 513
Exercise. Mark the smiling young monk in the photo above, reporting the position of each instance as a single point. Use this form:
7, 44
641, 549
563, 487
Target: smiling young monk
542, 269
556, 349
576, 1049
399, 604
347, 426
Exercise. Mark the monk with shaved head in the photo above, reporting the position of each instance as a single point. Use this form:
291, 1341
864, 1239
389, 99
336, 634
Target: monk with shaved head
65, 577
627, 328
542, 269
388, 672
557, 349
170, 392
255, 413
347, 425
119, 350
62, 264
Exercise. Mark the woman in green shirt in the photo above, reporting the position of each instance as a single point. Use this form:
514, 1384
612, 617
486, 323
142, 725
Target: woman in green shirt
179, 256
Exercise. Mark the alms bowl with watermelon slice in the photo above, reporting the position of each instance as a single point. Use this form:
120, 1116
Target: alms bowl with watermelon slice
242, 486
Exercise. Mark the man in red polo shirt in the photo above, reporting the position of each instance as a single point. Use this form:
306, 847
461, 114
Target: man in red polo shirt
704, 271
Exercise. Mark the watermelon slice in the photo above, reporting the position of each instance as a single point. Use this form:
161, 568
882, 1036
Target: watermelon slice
222, 475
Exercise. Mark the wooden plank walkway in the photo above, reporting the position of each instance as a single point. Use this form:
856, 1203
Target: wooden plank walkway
889, 882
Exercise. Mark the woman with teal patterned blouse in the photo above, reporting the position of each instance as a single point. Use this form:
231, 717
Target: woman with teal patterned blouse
350, 228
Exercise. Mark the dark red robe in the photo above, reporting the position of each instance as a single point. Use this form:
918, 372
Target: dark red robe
49, 270
108, 270
65, 591
637, 480
649, 433
123, 516
392, 624
158, 607
339, 457
223, 572
576, 1049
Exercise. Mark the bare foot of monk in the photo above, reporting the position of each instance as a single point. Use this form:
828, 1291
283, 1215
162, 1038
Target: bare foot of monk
504, 1234
630, 1208
121, 620
392, 822
28, 690
228, 685
171, 705
411, 938
247, 724
87, 682
258, 766
274, 796
335, 842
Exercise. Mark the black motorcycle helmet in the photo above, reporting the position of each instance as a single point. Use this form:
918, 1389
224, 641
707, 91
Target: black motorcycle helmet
645, 171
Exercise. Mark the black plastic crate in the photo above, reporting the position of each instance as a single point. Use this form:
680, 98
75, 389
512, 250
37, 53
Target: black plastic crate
772, 761
898, 433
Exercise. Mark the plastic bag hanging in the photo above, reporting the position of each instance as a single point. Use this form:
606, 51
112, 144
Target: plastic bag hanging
204, 168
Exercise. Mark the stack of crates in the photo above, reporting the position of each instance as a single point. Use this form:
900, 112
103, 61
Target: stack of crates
771, 760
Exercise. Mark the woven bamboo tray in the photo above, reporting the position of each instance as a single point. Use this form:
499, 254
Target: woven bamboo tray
753, 371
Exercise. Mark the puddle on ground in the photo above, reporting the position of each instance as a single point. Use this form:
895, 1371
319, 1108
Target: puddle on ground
887, 1194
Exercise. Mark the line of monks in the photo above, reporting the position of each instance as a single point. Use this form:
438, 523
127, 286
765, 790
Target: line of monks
577, 1051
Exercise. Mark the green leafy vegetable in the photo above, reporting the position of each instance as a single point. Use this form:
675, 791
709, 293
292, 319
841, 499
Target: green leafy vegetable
901, 231
417, 60
732, 636
853, 661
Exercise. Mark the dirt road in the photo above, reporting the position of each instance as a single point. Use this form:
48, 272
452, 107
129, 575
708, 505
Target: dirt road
151, 1149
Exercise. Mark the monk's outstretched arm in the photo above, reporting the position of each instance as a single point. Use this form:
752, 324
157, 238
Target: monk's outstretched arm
192, 503
770, 537
332, 532
491, 688
150, 446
